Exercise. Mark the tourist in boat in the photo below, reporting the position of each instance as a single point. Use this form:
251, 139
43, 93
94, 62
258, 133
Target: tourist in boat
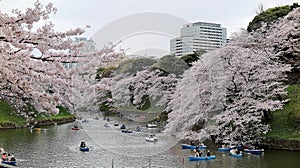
8, 157
192, 143
197, 152
82, 145
106, 125
208, 153
4, 156
123, 127
12, 158
224, 146
235, 151
240, 146
138, 129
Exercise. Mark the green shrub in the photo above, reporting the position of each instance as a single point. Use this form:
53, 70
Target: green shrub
285, 123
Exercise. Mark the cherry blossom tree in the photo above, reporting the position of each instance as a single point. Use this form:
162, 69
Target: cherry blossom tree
157, 85
32, 62
91, 89
149, 84
31, 69
252, 82
198, 95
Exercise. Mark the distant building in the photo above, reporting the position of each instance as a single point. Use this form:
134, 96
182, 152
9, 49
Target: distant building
89, 46
199, 35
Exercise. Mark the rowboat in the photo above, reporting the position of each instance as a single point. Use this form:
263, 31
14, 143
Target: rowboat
224, 149
254, 151
228, 148
235, 155
151, 126
123, 127
14, 163
138, 129
75, 128
151, 138
84, 149
187, 146
126, 131
193, 158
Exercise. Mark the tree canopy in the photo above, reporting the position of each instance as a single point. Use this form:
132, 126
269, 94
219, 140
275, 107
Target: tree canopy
33, 57
270, 15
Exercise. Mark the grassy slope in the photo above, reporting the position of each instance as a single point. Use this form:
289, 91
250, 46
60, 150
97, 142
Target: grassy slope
286, 122
7, 116
149, 107
63, 113
150, 112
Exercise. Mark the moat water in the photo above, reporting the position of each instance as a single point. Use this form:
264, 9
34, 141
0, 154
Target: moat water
58, 146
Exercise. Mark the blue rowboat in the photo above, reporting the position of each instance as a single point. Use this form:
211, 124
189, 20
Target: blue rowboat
227, 149
239, 146
254, 151
14, 163
85, 149
224, 149
126, 131
187, 146
236, 155
193, 158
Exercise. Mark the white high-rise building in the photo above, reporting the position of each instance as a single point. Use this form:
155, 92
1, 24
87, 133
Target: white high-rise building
199, 35
88, 46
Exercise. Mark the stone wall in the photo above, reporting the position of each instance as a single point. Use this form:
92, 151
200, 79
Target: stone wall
52, 121
7, 125
281, 144
40, 123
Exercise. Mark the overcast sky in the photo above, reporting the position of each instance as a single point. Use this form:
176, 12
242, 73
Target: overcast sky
232, 14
